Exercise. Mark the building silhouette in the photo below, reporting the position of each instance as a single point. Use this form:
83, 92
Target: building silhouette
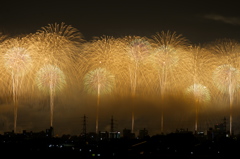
127, 133
219, 131
143, 133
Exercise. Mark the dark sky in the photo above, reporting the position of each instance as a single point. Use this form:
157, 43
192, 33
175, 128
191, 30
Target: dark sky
198, 21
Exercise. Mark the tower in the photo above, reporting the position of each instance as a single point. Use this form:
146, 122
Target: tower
112, 125
113, 133
84, 129
224, 124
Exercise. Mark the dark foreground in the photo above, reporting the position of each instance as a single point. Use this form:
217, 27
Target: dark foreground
173, 145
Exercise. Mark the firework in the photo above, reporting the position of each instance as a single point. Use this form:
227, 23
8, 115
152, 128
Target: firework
137, 50
226, 78
67, 31
57, 43
56, 49
227, 81
99, 77
18, 63
99, 81
226, 74
51, 79
101, 52
167, 47
200, 94
3, 37
50, 76
198, 64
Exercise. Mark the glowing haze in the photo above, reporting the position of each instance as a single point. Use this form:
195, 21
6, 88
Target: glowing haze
160, 83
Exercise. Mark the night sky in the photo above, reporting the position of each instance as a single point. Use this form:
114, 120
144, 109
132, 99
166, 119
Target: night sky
198, 21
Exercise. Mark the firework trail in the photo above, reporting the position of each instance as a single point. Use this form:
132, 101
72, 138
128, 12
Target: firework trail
57, 47
103, 52
227, 80
50, 79
136, 49
100, 52
67, 31
59, 43
167, 47
17, 59
99, 82
3, 37
200, 94
226, 74
198, 65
